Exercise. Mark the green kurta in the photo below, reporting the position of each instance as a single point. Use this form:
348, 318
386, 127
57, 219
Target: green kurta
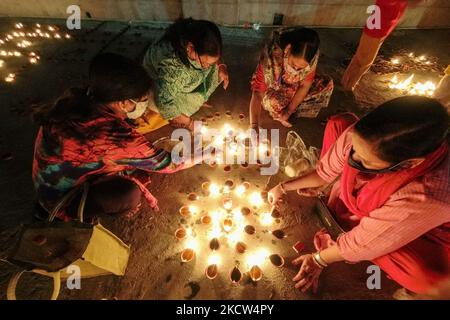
180, 89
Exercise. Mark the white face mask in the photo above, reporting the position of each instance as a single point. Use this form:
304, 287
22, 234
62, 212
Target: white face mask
141, 108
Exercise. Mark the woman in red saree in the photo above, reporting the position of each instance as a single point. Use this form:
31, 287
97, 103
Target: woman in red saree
392, 195
86, 136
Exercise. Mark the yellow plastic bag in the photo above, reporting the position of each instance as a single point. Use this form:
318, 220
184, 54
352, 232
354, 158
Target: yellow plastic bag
51, 248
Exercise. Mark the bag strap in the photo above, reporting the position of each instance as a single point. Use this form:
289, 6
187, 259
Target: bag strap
12, 285
69, 196
83, 202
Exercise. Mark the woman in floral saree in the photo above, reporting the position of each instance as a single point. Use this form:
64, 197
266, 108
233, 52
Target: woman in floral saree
85, 137
285, 80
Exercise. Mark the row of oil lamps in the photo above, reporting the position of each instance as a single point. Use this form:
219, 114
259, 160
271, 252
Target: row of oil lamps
407, 86
23, 41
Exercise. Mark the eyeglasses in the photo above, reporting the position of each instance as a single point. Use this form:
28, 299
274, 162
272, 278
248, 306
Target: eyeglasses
358, 166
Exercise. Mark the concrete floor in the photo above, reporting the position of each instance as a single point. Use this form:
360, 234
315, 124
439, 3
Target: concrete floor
154, 271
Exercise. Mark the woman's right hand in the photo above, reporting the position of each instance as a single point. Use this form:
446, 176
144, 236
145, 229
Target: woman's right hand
275, 195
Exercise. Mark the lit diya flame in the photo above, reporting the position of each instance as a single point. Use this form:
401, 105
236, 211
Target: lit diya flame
228, 203
240, 190
188, 254
400, 85
266, 219
234, 237
188, 211
218, 141
418, 88
255, 273
395, 61
256, 199
213, 267
227, 130
214, 190
227, 225
10, 78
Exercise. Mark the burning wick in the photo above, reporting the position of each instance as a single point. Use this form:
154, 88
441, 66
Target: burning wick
227, 225
228, 203
422, 58
254, 262
190, 249
266, 219
227, 130
256, 199
193, 210
33, 60
213, 266
395, 61
419, 88
240, 190
10, 78
214, 190
2, 63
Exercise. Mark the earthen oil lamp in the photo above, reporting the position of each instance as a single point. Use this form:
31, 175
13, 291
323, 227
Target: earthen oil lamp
188, 254
212, 270
235, 275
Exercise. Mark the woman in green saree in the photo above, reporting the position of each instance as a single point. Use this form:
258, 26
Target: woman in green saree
186, 65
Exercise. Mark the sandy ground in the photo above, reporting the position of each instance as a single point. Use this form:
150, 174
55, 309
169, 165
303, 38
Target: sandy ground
155, 270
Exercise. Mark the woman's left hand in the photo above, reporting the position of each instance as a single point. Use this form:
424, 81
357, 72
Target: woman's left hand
223, 75
309, 273
284, 119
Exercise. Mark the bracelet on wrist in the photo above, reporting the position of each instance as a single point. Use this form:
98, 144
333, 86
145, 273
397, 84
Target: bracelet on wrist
319, 261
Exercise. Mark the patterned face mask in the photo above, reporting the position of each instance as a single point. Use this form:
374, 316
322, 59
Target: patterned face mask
289, 69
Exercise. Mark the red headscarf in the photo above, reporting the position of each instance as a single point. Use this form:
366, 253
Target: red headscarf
378, 190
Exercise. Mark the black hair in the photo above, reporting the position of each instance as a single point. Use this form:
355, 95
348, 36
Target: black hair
204, 35
111, 78
304, 42
405, 128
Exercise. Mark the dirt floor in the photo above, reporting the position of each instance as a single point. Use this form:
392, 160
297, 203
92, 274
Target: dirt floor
155, 270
